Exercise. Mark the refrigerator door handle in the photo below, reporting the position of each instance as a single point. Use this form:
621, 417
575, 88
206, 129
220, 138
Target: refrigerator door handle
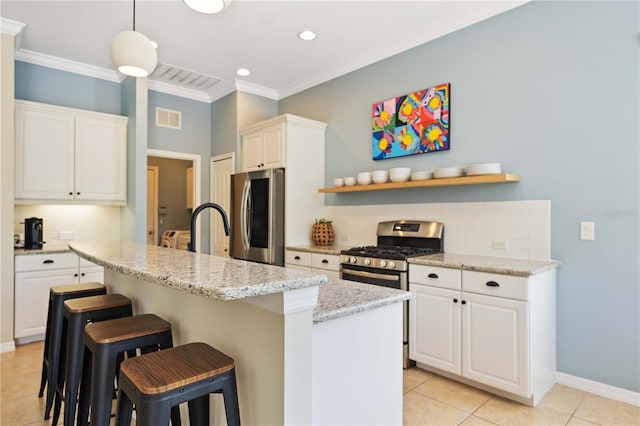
246, 216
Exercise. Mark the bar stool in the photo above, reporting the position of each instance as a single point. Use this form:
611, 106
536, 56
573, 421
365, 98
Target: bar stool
53, 334
157, 381
104, 341
77, 313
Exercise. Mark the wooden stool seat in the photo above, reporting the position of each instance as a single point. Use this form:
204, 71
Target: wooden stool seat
53, 335
105, 343
157, 381
77, 314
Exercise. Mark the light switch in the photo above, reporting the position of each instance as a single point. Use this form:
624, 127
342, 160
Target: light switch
587, 231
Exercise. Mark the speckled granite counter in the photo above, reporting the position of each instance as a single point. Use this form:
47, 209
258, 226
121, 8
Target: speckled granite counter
209, 276
319, 249
62, 248
496, 265
340, 298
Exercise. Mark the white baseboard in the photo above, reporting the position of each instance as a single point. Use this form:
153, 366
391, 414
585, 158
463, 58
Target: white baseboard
7, 346
599, 389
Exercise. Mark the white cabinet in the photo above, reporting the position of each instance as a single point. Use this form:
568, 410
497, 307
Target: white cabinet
488, 329
264, 147
35, 274
69, 155
327, 264
297, 144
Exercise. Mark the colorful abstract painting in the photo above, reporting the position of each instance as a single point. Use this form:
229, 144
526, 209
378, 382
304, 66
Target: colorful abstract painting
416, 123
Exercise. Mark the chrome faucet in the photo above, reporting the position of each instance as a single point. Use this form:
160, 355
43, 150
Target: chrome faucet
194, 216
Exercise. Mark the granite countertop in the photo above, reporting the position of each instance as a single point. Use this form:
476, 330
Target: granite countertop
340, 298
320, 249
214, 277
46, 249
496, 265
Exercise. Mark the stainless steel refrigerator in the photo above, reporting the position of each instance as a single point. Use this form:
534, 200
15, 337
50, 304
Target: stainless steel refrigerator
257, 216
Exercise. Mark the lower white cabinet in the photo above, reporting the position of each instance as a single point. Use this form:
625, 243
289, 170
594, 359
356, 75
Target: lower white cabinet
327, 264
489, 329
35, 274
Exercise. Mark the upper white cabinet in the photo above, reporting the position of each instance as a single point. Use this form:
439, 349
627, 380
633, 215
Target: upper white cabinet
492, 329
69, 155
297, 144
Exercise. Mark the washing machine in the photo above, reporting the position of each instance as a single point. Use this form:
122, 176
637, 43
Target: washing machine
171, 238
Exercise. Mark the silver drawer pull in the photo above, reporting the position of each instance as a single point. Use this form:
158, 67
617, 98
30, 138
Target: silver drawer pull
47, 261
492, 284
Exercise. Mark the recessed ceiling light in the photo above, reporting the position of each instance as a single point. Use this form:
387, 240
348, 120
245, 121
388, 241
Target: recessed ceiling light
243, 72
206, 6
307, 35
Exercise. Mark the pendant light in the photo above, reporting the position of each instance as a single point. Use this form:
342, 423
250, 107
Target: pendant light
133, 53
206, 6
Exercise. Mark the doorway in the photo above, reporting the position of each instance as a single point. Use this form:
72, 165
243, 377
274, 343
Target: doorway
152, 205
175, 202
222, 167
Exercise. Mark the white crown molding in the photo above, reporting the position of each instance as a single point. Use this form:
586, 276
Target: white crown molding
14, 28
255, 89
67, 65
183, 92
599, 389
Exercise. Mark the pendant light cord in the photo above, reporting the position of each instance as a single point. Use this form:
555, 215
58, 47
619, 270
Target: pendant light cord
134, 15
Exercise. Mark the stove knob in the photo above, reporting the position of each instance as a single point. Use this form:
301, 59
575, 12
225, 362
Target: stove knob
353, 259
367, 262
383, 263
391, 265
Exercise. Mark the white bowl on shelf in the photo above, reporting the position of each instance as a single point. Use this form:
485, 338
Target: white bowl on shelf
364, 178
484, 169
400, 174
338, 182
380, 176
421, 175
448, 172
350, 181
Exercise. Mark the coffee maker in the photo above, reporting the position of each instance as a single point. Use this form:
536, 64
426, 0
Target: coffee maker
33, 233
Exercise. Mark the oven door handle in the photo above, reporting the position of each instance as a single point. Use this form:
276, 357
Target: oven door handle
372, 275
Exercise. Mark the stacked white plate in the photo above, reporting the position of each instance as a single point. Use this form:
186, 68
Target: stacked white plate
421, 175
448, 172
484, 169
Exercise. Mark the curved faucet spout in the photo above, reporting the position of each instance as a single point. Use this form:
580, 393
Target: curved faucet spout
194, 216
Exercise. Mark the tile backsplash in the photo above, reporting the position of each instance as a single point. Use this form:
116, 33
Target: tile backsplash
521, 228
87, 223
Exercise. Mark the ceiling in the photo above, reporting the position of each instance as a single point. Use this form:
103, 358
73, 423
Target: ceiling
259, 35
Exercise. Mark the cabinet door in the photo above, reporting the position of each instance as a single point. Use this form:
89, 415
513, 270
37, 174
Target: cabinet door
44, 155
93, 274
273, 146
434, 327
495, 342
32, 298
101, 159
252, 152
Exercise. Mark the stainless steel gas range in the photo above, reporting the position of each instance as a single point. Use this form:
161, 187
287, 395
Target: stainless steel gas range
385, 264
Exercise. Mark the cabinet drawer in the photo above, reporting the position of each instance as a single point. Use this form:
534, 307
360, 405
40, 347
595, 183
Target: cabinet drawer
495, 285
325, 261
435, 276
45, 262
300, 258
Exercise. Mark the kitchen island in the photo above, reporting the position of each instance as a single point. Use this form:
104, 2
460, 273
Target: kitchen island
307, 351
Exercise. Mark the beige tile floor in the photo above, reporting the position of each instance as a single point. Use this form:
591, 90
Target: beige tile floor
428, 400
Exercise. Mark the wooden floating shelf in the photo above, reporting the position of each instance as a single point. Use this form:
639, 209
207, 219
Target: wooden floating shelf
465, 180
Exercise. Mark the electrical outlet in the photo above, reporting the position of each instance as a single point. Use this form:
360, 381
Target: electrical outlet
499, 244
66, 235
587, 231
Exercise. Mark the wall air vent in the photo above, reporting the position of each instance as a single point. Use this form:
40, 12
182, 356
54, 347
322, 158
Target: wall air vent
179, 76
168, 118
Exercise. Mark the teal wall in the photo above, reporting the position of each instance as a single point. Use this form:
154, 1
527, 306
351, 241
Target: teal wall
550, 90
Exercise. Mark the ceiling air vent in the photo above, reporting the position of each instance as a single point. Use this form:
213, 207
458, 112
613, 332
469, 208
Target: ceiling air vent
182, 77
168, 118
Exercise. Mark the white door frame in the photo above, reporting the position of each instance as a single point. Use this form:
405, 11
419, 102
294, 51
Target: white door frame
229, 155
197, 173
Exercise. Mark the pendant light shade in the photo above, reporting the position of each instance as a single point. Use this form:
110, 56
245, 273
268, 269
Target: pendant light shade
206, 6
133, 54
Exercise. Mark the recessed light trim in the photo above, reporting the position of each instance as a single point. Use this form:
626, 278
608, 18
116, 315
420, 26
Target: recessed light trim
307, 35
243, 72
